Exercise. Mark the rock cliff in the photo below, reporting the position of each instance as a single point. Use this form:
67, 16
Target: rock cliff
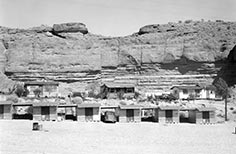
155, 58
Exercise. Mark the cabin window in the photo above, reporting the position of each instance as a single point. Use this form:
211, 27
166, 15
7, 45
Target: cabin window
205, 115
185, 91
169, 114
176, 92
197, 91
50, 88
129, 90
112, 90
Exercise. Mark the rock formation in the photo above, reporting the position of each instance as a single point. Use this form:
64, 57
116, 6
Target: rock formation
70, 27
155, 58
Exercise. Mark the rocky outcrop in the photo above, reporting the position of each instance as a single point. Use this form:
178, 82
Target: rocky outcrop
70, 28
6, 85
228, 70
156, 57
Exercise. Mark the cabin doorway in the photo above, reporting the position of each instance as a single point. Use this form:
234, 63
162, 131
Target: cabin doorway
88, 114
206, 116
45, 113
130, 115
169, 116
1, 112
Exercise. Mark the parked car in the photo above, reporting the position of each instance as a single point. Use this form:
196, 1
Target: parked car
110, 116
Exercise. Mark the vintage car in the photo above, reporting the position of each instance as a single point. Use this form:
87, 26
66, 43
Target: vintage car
110, 116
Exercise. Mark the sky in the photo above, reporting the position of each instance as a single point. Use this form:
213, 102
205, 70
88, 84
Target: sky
112, 17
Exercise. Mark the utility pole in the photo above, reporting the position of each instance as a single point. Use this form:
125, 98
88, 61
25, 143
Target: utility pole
226, 101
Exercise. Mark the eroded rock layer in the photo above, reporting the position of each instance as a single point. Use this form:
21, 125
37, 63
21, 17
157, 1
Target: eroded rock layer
157, 57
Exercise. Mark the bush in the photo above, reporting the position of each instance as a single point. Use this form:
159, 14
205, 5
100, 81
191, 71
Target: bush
77, 100
37, 92
12, 98
188, 21
19, 91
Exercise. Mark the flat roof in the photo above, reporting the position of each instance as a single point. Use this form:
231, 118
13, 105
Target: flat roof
89, 105
67, 105
169, 107
22, 104
108, 107
187, 87
201, 109
130, 107
118, 85
41, 83
6, 102
45, 104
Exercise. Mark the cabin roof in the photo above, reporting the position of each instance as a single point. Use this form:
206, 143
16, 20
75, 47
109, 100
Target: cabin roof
201, 109
130, 107
45, 104
187, 87
89, 105
187, 108
6, 102
169, 107
67, 105
210, 87
22, 104
118, 85
108, 107
41, 83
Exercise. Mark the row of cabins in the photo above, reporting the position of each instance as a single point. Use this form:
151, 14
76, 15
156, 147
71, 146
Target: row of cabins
93, 112
115, 90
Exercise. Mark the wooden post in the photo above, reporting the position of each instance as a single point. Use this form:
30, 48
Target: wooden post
226, 119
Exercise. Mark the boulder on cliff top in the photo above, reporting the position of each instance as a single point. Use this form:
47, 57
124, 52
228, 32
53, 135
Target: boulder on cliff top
70, 27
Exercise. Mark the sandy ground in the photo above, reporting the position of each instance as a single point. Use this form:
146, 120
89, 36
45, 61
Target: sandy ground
17, 137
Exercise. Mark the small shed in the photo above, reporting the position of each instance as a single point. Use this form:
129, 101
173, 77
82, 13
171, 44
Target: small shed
45, 111
205, 115
88, 112
67, 112
43, 88
186, 92
5, 110
22, 110
130, 113
117, 90
168, 114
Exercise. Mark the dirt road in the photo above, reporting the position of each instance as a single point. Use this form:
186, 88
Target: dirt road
17, 137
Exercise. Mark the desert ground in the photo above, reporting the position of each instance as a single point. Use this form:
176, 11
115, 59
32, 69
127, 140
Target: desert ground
71, 137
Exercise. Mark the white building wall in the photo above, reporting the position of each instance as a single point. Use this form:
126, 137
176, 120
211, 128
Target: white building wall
96, 114
182, 95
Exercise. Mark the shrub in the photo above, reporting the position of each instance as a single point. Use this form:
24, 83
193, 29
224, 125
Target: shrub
77, 100
19, 91
188, 21
12, 98
37, 92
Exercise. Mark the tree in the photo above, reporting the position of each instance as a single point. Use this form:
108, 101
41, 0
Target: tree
37, 92
19, 91
223, 90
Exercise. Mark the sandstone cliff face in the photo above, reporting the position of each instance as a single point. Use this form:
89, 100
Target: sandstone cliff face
156, 57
